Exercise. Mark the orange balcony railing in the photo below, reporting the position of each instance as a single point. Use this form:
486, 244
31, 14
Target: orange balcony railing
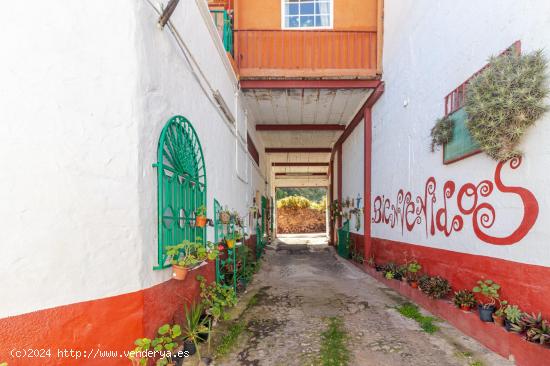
315, 53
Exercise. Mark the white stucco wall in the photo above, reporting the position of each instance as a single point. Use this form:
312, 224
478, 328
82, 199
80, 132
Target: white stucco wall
429, 49
86, 90
353, 169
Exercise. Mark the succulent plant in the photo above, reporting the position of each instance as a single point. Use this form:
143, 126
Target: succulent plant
442, 132
504, 100
464, 298
435, 287
513, 313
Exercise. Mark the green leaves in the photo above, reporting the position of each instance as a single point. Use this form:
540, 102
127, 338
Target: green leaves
489, 289
504, 100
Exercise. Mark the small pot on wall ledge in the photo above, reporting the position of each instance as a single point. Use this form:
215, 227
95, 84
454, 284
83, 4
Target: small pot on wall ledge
499, 320
486, 313
465, 307
200, 221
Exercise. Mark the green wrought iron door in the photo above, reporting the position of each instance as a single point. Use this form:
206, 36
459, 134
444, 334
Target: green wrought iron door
181, 186
343, 240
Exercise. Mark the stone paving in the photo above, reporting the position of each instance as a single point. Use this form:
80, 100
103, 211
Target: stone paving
300, 286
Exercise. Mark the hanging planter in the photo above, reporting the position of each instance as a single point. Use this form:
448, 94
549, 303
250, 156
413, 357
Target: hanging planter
504, 100
225, 217
200, 219
442, 132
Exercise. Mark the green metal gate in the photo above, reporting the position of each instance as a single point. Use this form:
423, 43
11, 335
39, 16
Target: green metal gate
181, 186
343, 240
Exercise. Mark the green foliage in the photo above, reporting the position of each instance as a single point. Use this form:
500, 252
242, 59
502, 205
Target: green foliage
426, 322
442, 132
294, 202
4, 364
435, 287
312, 194
490, 290
334, 351
194, 326
536, 329
513, 313
412, 270
201, 210
186, 254
464, 298
166, 342
230, 339
504, 100
216, 298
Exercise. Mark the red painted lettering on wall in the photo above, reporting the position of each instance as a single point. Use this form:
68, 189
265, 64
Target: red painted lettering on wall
409, 213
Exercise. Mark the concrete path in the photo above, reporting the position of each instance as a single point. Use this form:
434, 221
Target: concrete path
300, 286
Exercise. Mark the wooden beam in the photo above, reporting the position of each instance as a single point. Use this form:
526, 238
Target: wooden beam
300, 127
273, 150
310, 84
299, 164
300, 174
372, 99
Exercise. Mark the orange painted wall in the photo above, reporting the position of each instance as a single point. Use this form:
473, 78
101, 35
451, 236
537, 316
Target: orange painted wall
110, 324
266, 14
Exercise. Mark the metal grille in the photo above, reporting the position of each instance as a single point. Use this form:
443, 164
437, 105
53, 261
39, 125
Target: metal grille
181, 185
343, 240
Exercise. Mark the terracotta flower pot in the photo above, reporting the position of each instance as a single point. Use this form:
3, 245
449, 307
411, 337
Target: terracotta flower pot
414, 284
179, 272
200, 221
465, 307
499, 320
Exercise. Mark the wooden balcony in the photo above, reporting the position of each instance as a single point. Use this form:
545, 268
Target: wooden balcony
306, 53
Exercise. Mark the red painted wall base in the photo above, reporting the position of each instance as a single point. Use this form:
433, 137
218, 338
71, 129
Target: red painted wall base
522, 284
496, 338
110, 324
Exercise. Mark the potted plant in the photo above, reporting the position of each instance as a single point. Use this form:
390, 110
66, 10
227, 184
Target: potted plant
192, 329
464, 299
512, 315
182, 258
498, 315
490, 290
412, 273
435, 287
225, 216
165, 344
230, 242
200, 216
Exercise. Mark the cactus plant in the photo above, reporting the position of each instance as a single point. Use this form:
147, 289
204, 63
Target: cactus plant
442, 132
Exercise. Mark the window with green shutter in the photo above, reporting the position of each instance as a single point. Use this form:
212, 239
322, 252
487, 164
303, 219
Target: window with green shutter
462, 145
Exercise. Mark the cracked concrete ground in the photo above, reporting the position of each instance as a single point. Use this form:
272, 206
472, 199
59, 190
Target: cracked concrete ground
301, 285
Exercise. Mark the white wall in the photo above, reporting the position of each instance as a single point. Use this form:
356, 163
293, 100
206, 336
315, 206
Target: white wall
86, 90
429, 49
353, 168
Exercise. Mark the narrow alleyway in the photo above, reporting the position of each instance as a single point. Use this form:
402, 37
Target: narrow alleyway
300, 286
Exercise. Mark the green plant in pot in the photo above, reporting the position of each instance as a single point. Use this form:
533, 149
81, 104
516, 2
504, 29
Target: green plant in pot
412, 273
165, 344
498, 315
183, 258
225, 216
200, 216
435, 287
512, 315
194, 327
464, 299
490, 291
